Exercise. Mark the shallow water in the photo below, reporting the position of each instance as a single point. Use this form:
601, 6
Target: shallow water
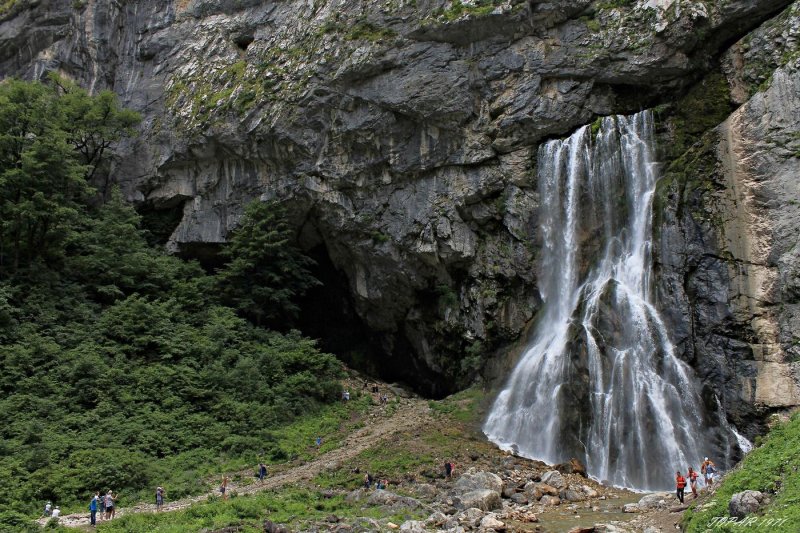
561, 519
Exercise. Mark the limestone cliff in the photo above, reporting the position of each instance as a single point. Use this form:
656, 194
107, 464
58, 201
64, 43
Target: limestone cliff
402, 135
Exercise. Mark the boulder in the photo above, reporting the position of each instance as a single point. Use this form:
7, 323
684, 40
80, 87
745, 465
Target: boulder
426, 491
573, 466
484, 499
547, 489
413, 526
744, 503
658, 500
392, 500
589, 491
631, 508
571, 495
470, 481
436, 519
550, 500
470, 517
272, 527
490, 521
519, 498
554, 479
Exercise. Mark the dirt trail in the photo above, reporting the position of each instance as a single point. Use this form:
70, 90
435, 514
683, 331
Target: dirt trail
409, 414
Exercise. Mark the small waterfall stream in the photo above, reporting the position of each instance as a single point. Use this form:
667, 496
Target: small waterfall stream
599, 380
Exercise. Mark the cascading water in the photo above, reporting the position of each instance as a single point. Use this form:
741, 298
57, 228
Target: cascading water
600, 380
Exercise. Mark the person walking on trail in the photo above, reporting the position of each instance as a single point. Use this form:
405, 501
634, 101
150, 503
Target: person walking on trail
693, 481
367, 480
708, 469
48, 509
318, 442
93, 508
223, 487
56, 513
159, 499
680, 485
447, 469
262, 472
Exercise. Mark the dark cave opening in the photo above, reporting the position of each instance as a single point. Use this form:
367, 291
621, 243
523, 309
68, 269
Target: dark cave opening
328, 314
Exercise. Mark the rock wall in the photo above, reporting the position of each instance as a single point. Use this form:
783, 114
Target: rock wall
402, 135
729, 246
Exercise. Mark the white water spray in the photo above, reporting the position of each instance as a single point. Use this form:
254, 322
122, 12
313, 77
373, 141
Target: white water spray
600, 380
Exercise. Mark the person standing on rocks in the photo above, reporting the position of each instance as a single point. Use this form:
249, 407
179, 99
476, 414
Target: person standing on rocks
680, 485
693, 481
262, 472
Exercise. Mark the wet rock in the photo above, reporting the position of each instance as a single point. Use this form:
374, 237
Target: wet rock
745, 503
573, 466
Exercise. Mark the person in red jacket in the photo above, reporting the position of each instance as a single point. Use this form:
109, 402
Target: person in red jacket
680, 484
693, 481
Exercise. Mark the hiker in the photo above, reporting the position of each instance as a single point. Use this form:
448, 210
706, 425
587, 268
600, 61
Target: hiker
452, 469
223, 487
56, 513
379, 485
708, 469
110, 499
367, 480
319, 442
693, 481
680, 485
48, 508
159, 499
93, 508
262, 472
447, 469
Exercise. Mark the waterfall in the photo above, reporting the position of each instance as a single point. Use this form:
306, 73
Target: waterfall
600, 380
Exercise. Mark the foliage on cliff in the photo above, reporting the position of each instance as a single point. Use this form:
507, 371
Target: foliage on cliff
119, 366
771, 468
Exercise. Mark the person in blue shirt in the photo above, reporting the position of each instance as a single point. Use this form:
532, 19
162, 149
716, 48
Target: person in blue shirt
93, 508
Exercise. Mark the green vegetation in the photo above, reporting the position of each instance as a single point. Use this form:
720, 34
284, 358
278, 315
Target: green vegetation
295, 506
771, 468
122, 367
367, 31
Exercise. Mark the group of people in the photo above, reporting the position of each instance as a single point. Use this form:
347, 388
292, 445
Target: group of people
449, 469
379, 484
104, 504
707, 469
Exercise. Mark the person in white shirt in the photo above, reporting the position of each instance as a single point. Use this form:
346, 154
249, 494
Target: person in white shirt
56, 513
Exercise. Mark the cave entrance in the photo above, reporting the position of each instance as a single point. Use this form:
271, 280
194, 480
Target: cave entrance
328, 315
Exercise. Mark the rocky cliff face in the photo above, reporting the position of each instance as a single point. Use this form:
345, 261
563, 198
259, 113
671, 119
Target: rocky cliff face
402, 135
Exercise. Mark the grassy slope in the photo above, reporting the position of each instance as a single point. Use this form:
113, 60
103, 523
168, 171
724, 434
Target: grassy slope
451, 436
773, 467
